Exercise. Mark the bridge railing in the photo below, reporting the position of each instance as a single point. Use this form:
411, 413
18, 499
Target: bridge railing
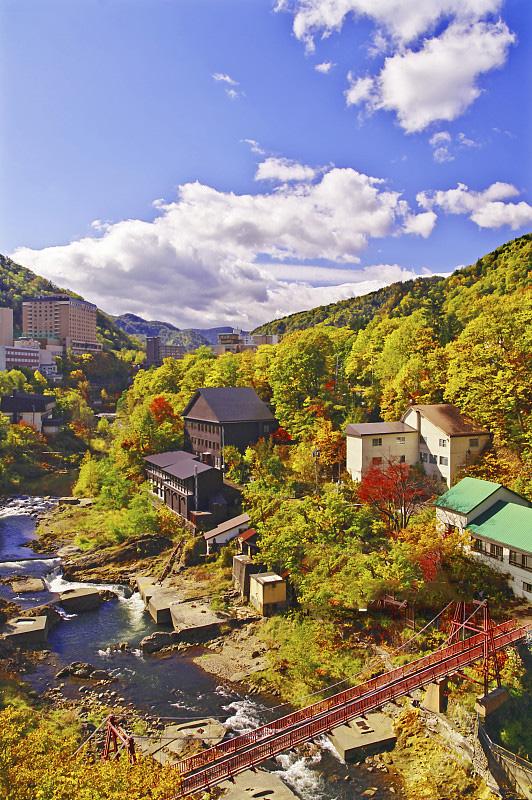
228, 767
322, 706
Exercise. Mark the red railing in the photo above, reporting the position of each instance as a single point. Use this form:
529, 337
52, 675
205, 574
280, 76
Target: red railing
283, 723
319, 718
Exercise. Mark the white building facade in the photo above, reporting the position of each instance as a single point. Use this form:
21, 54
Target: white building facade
438, 437
500, 524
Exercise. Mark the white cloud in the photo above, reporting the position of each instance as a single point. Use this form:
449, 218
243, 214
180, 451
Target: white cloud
421, 224
486, 208
424, 79
439, 81
403, 20
197, 262
444, 146
254, 146
230, 90
325, 67
223, 77
283, 170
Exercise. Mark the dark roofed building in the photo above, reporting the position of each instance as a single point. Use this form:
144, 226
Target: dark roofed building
192, 489
221, 416
34, 409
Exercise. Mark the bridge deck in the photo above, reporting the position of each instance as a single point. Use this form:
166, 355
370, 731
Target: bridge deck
244, 752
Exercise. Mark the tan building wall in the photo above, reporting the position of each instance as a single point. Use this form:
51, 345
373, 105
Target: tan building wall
441, 455
71, 321
361, 450
266, 595
6, 326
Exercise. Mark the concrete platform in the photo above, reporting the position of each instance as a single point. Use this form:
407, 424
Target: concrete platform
147, 586
363, 737
175, 740
249, 785
76, 600
490, 702
159, 605
26, 631
196, 622
28, 585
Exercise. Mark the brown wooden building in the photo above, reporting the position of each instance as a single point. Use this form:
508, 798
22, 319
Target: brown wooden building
192, 489
221, 416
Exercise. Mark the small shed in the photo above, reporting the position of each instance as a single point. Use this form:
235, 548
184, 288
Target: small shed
225, 532
267, 592
247, 542
243, 568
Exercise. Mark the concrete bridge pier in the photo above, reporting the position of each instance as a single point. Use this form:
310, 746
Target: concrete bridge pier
436, 697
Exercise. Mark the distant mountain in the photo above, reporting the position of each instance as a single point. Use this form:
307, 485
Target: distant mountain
17, 282
190, 338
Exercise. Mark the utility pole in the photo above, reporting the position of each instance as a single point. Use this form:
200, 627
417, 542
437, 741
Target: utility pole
195, 489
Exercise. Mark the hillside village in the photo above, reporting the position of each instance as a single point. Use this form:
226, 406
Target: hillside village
314, 492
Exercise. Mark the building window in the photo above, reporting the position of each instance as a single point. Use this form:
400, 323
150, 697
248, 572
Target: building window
520, 560
443, 442
376, 442
444, 461
527, 587
495, 551
376, 461
402, 459
433, 459
478, 546
473, 443
401, 439
423, 457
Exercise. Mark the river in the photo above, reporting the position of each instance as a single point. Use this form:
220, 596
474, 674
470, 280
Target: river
165, 686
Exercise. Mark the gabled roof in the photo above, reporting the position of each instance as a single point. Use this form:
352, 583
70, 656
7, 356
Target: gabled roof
178, 463
246, 535
228, 525
469, 493
449, 419
466, 495
378, 428
228, 404
506, 523
21, 402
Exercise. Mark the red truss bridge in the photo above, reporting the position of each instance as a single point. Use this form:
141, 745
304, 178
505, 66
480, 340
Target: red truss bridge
473, 637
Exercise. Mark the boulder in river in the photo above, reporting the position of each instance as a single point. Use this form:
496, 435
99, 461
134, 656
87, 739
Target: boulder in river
82, 669
28, 585
156, 641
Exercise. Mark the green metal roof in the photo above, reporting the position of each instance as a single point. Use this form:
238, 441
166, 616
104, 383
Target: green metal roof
506, 523
467, 495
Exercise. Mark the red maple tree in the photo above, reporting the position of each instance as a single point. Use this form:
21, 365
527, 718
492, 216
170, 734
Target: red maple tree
395, 491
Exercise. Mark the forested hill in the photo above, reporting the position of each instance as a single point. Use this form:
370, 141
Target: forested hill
501, 272
17, 282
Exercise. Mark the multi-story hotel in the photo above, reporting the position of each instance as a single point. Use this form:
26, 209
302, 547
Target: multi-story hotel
61, 319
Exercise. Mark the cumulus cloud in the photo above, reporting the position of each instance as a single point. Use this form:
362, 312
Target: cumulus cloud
427, 77
201, 261
439, 81
283, 170
487, 209
325, 67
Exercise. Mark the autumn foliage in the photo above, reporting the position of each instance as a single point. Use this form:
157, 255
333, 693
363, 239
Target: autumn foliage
395, 491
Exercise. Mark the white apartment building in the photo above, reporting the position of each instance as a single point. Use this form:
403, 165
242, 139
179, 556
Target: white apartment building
500, 524
438, 437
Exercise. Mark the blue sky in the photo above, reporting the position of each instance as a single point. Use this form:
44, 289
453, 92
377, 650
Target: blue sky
185, 159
